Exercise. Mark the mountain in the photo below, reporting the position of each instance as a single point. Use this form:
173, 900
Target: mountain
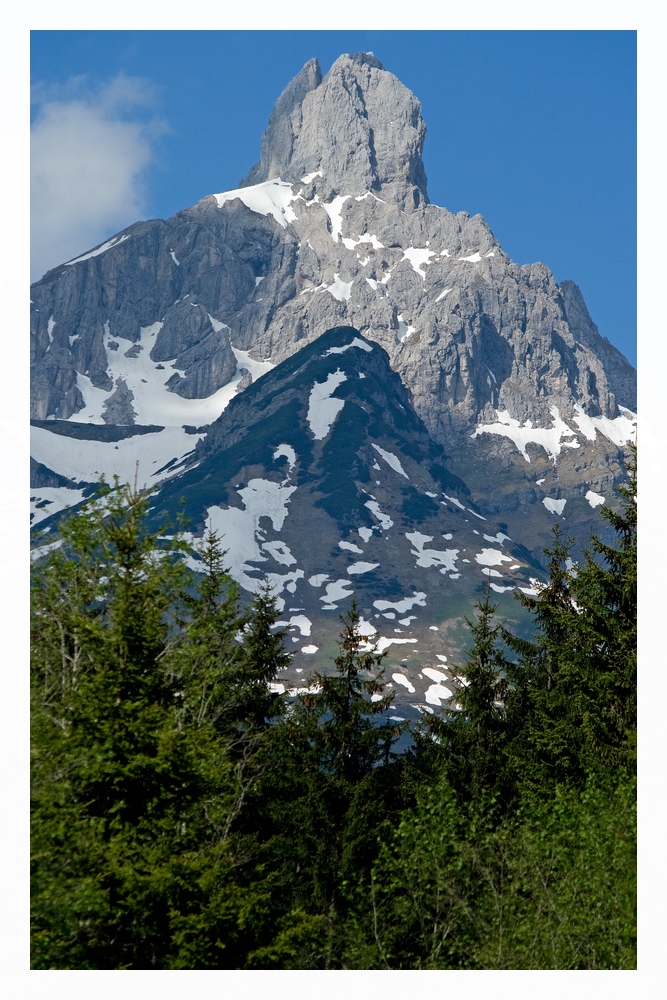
321, 478
167, 343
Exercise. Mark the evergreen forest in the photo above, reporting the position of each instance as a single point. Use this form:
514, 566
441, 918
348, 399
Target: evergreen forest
185, 816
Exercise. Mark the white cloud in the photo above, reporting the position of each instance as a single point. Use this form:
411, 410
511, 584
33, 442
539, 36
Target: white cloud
89, 152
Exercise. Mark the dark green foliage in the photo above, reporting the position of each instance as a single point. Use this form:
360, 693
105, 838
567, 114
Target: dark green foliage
187, 816
138, 770
340, 459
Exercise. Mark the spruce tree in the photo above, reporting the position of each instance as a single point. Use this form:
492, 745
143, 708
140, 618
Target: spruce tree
471, 737
348, 742
264, 656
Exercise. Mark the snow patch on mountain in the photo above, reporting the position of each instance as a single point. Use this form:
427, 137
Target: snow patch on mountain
356, 342
404, 329
361, 567
114, 242
436, 694
549, 438
491, 557
286, 451
239, 530
406, 604
153, 402
499, 538
280, 552
350, 547
384, 643
298, 621
594, 499
374, 507
53, 499
333, 210
392, 461
85, 461
418, 257
273, 198
336, 591
340, 289
322, 407
554, 506
403, 681
619, 431
432, 557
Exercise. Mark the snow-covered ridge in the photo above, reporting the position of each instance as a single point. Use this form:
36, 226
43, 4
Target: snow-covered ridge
113, 242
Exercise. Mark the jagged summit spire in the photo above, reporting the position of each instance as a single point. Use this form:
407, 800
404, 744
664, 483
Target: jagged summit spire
359, 127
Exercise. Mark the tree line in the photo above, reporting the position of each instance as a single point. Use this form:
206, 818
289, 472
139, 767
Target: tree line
186, 816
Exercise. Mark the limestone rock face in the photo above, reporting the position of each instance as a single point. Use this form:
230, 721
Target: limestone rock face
359, 128
332, 227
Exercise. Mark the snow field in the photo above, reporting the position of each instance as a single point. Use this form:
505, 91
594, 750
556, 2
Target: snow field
86, 461
273, 198
418, 257
549, 438
240, 528
619, 431
361, 567
286, 451
298, 621
356, 342
374, 507
153, 403
340, 289
491, 557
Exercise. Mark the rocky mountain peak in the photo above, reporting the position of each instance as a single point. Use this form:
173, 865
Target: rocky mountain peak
358, 129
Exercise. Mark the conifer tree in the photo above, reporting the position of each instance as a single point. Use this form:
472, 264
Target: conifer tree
206, 656
542, 746
264, 656
472, 736
601, 655
348, 742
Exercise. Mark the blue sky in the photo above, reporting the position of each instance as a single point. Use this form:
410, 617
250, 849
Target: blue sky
535, 130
